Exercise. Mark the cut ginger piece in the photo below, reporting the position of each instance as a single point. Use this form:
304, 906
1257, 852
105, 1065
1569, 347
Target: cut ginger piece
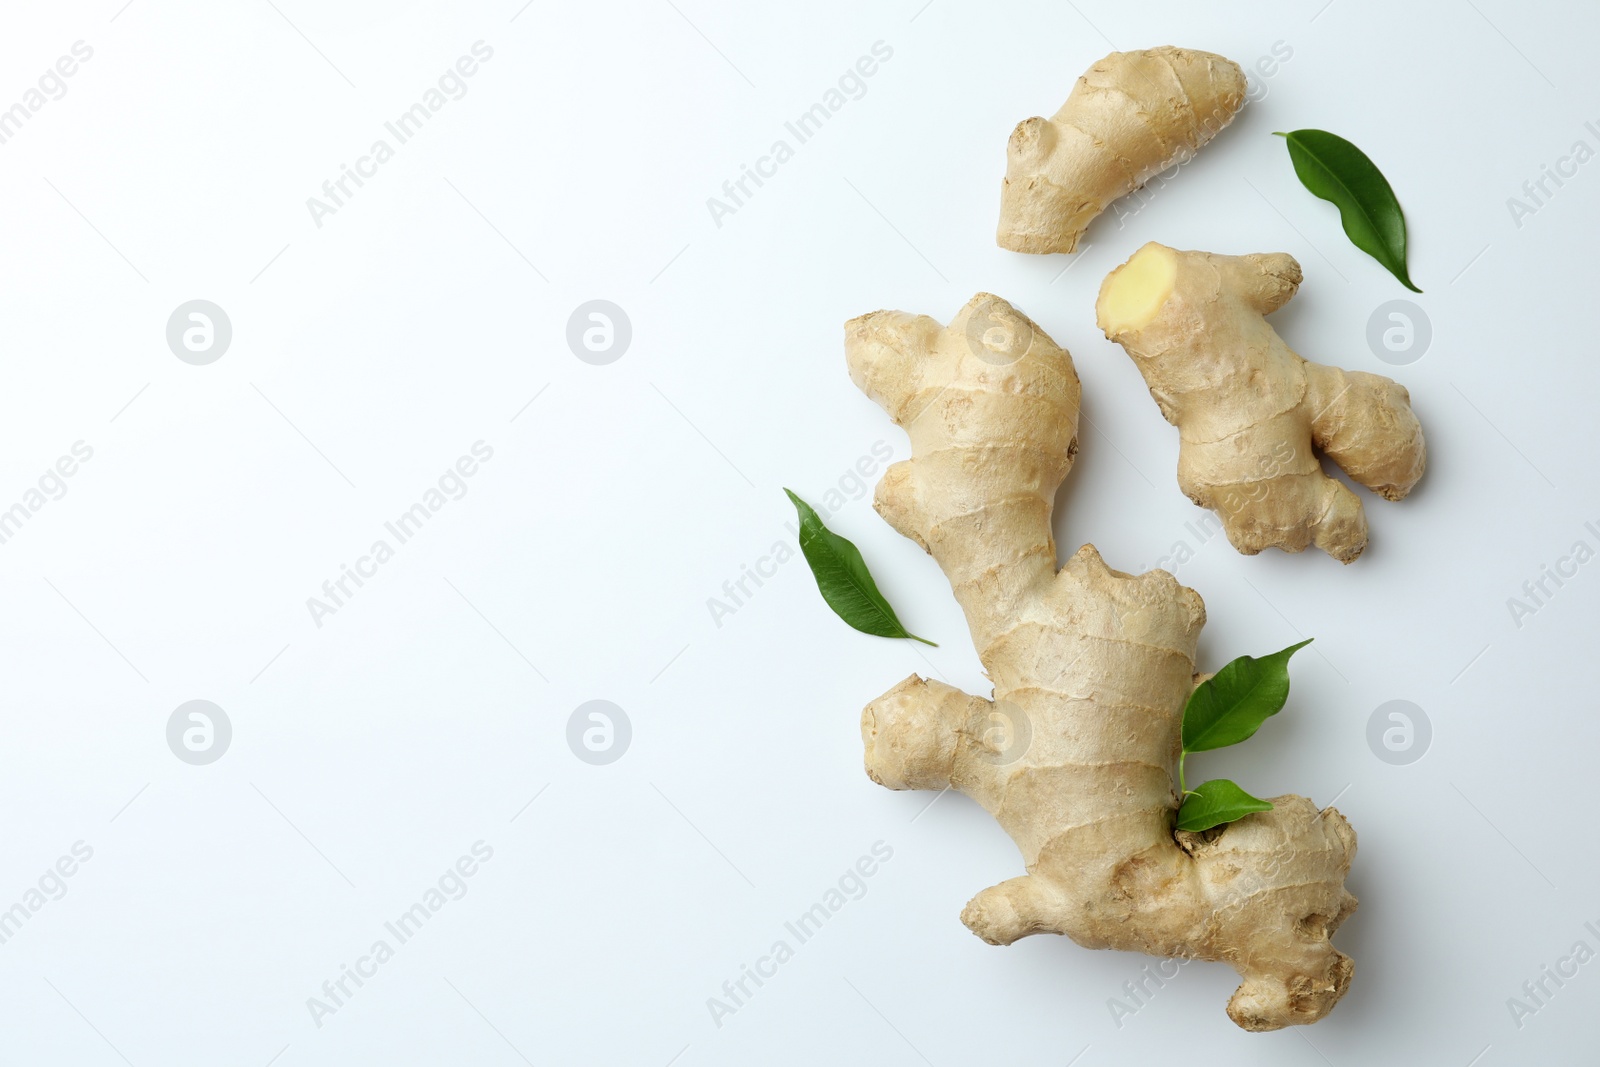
1251, 413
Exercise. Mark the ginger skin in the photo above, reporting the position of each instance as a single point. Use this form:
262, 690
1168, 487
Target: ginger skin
1075, 754
1130, 117
1249, 409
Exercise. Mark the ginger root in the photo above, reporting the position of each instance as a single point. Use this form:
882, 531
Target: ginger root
1249, 409
1130, 117
1075, 753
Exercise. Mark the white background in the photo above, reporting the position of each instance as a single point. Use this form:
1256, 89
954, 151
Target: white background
371, 752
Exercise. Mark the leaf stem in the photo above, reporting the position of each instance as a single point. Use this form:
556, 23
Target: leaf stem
1182, 790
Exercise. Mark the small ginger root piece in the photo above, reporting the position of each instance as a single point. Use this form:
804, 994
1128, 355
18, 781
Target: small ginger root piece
1130, 117
1249, 409
1075, 753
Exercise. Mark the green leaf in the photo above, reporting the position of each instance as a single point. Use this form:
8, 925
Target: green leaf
1231, 706
1340, 173
1216, 802
843, 578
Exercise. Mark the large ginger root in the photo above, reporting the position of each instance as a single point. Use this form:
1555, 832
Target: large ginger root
1248, 409
1130, 117
1075, 753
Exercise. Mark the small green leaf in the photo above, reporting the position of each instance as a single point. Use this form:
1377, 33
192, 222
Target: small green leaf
1340, 173
1231, 706
1216, 802
843, 578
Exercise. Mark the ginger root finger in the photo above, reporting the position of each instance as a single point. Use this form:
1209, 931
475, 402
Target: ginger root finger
1250, 411
1130, 116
